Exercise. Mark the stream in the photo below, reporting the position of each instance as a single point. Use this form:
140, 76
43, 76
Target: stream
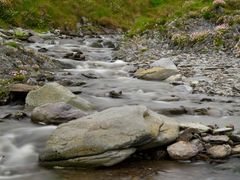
101, 73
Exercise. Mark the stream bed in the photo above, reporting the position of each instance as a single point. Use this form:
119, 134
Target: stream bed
100, 73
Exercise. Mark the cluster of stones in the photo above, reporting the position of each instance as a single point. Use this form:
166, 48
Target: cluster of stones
108, 137
205, 144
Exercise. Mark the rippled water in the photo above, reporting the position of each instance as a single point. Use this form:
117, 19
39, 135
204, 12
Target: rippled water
21, 141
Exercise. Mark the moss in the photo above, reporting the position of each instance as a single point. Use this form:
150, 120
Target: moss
20, 34
198, 37
180, 39
218, 41
4, 93
12, 44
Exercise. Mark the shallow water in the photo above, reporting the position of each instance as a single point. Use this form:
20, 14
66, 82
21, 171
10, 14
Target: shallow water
21, 141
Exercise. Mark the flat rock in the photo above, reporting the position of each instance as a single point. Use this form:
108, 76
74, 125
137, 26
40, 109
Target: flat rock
54, 92
21, 88
112, 130
55, 113
155, 73
216, 139
222, 130
200, 127
219, 151
182, 150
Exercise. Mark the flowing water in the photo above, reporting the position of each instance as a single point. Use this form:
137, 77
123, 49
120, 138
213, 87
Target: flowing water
102, 72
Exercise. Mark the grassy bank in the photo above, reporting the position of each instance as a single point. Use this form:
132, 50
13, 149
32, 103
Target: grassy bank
115, 13
127, 14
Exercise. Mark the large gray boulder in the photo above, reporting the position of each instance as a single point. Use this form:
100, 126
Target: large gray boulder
54, 92
55, 113
108, 137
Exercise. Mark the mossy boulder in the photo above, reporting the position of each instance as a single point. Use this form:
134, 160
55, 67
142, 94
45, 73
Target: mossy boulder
54, 92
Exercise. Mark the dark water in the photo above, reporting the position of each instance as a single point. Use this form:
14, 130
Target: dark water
22, 141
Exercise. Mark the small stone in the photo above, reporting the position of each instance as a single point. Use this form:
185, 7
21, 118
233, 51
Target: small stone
222, 130
198, 144
42, 50
236, 149
216, 139
200, 127
235, 137
115, 94
187, 134
182, 150
219, 151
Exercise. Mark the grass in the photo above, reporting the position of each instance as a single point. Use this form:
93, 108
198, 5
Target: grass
126, 14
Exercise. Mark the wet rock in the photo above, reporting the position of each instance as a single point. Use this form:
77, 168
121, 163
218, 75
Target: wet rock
97, 44
55, 113
43, 50
216, 139
182, 150
35, 39
166, 63
114, 94
75, 56
94, 137
235, 137
108, 44
54, 92
155, 73
219, 151
236, 149
200, 127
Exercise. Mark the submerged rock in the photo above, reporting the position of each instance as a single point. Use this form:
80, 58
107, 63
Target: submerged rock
182, 150
107, 137
155, 73
54, 92
55, 113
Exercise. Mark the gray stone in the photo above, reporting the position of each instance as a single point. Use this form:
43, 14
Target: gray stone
155, 73
112, 130
236, 149
54, 92
164, 63
55, 113
216, 139
182, 150
219, 151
